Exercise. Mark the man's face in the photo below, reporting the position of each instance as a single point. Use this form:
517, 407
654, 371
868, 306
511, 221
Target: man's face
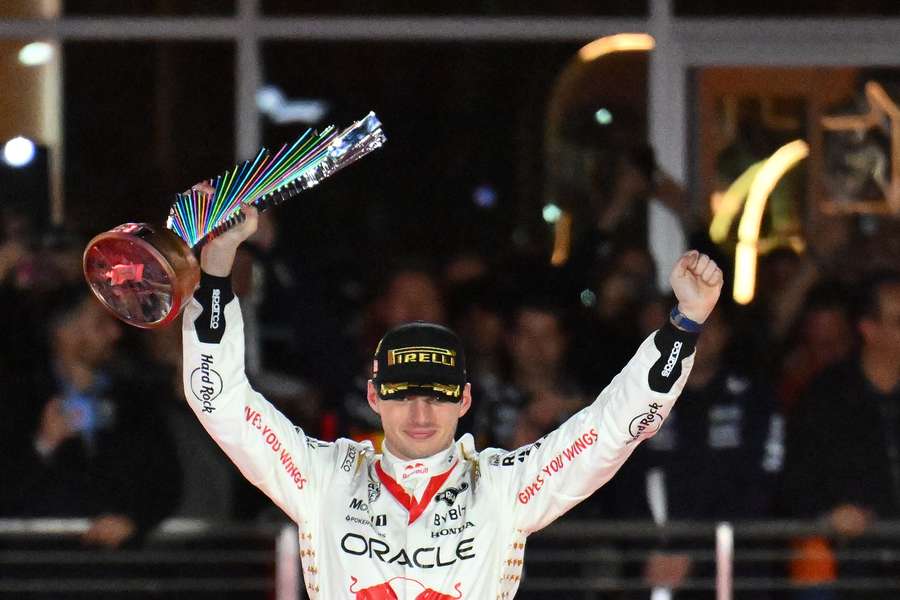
537, 344
90, 333
883, 332
411, 296
716, 336
419, 426
826, 334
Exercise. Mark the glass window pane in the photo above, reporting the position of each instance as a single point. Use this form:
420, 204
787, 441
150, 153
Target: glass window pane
29, 133
455, 7
741, 8
29, 9
465, 128
143, 121
746, 114
160, 8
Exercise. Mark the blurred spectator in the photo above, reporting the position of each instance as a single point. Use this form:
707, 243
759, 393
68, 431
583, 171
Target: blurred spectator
824, 337
626, 284
16, 240
609, 322
538, 393
209, 481
463, 268
726, 421
634, 204
476, 309
286, 357
47, 262
786, 279
410, 293
96, 447
843, 456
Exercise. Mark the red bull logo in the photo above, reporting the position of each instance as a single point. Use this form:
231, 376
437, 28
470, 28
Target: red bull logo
414, 469
384, 591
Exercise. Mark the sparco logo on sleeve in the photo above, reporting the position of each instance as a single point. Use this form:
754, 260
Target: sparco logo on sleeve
206, 383
214, 312
673, 359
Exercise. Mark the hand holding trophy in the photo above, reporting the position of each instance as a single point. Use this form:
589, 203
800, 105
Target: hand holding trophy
145, 274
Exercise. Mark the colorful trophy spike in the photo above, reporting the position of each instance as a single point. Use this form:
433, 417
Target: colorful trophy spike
145, 275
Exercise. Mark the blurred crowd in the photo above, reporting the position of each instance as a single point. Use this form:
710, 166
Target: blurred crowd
792, 409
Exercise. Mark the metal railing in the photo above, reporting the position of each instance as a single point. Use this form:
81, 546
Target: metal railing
730, 560
582, 560
182, 556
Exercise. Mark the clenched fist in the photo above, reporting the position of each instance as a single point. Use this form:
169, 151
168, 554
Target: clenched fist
697, 281
217, 256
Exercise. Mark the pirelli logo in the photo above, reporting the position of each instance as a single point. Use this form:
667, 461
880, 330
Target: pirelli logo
422, 354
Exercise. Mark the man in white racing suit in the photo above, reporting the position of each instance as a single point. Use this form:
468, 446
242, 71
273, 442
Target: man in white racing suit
428, 518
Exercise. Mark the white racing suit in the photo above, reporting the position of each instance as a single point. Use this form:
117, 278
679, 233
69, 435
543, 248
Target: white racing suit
453, 525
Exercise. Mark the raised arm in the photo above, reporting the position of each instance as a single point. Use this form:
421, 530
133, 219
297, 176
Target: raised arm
544, 480
269, 451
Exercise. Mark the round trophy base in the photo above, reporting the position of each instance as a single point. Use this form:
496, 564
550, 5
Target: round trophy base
142, 274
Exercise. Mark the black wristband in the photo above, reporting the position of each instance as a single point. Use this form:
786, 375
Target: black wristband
674, 346
213, 294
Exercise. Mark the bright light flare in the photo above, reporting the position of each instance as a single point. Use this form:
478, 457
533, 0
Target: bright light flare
551, 213
603, 116
620, 42
18, 151
36, 53
748, 230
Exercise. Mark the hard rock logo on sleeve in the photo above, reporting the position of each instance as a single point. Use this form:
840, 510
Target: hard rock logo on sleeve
206, 383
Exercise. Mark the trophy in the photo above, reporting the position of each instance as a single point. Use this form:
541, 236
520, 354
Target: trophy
145, 274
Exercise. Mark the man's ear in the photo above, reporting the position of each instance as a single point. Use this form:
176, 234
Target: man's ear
466, 403
372, 396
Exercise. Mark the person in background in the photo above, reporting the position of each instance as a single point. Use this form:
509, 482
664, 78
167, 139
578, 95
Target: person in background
823, 337
843, 446
210, 484
537, 393
88, 442
609, 319
634, 204
477, 314
729, 424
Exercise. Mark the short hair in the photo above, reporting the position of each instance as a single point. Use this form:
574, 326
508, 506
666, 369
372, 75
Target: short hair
867, 304
539, 303
385, 276
828, 295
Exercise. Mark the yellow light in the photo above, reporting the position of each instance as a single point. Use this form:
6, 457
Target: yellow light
727, 206
765, 181
562, 239
620, 42
744, 272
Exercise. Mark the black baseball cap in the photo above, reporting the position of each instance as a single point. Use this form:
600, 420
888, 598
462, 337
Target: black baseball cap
419, 358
